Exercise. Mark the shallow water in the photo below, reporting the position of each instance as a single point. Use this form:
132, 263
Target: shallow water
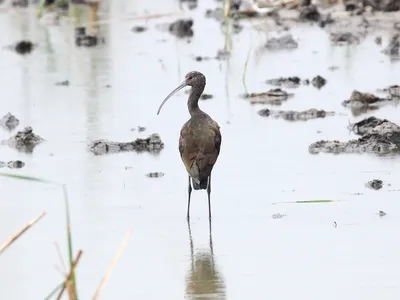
263, 165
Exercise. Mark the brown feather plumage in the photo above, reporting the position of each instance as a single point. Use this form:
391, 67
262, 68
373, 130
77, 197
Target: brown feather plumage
199, 146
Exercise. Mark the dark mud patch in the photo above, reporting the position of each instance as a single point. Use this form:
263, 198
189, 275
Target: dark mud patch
318, 81
201, 58
392, 91
344, 38
22, 47
151, 144
155, 174
291, 115
359, 99
24, 140
13, 164
287, 82
285, 42
139, 129
383, 5
295, 81
9, 121
62, 83
273, 97
393, 48
206, 96
181, 28
139, 29
378, 136
191, 4
375, 184
381, 213
309, 13
360, 103
223, 54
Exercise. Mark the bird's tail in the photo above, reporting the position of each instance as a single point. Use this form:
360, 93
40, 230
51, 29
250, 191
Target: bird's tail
202, 185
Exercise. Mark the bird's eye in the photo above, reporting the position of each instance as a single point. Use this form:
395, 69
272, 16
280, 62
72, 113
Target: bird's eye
190, 78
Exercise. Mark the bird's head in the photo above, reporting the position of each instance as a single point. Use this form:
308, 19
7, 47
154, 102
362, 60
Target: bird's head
193, 78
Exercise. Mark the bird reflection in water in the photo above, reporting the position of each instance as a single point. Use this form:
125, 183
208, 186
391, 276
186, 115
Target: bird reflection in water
203, 280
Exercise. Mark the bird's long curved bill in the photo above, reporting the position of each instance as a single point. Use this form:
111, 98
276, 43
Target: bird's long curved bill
181, 86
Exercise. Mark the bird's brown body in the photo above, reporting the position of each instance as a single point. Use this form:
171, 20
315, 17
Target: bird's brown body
200, 138
199, 146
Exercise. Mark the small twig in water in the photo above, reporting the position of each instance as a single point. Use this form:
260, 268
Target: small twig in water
112, 266
13, 238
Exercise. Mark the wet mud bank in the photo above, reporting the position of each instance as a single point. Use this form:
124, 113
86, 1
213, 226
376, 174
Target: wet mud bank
291, 115
24, 140
152, 144
377, 136
273, 97
294, 81
12, 164
9, 121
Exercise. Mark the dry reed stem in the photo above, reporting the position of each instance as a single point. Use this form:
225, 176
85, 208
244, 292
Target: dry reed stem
13, 238
68, 282
112, 265
227, 8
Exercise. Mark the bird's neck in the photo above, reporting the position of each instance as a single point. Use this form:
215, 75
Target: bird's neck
193, 101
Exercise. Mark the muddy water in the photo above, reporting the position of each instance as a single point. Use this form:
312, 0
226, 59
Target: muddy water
264, 164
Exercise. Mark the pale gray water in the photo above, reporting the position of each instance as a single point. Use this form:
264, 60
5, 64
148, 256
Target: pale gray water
262, 162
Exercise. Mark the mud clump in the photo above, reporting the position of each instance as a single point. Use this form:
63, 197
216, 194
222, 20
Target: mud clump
223, 54
285, 42
393, 91
181, 28
191, 4
273, 96
383, 5
206, 96
151, 144
359, 99
291, 115
346, 38
9, 121
155, 174
139, 29
318, 81
62, 83
24, 140
23, 47
309, 13
288, 82
294, 82
393, 48
13, 164
378, 136
375, 184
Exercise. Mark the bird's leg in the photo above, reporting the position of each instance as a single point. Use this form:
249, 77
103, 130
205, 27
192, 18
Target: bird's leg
189, 193
209, 193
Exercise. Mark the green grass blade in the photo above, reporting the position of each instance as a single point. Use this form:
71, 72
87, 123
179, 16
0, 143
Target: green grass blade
308, 201
69, 238
28, 178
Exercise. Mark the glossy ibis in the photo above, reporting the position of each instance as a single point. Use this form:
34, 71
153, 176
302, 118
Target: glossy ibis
200, 138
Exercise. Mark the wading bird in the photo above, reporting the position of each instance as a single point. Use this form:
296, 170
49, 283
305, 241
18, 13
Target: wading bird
200, 138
